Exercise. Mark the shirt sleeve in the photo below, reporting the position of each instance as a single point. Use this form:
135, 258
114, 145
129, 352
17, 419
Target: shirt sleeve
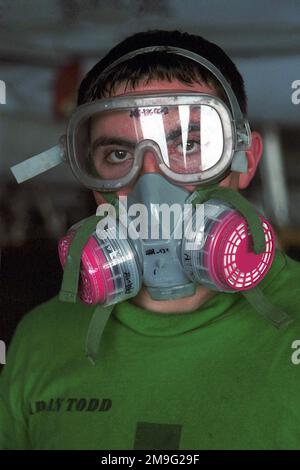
13, 420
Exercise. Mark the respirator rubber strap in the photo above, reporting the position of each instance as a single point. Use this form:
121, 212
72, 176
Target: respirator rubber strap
261, 304
69, 287
95, 330
111, 198
240, 204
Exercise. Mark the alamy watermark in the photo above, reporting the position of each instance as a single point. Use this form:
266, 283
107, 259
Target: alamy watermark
2, 352
2, 92
295, 96
295, 357
161, 222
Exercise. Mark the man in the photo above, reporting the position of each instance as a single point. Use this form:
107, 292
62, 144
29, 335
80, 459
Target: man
181, 365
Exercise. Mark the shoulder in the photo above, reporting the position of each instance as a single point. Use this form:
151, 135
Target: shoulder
286, 274
282, 285
53, 313
51, 326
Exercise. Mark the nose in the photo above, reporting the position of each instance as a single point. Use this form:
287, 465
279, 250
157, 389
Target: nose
150, 164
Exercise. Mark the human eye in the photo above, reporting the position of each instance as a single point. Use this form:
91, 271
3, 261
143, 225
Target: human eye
118, 156
191, 147
183, 144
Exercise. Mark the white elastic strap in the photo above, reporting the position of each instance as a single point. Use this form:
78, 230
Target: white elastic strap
38, 164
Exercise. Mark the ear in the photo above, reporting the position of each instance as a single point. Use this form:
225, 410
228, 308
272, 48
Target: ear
253, 154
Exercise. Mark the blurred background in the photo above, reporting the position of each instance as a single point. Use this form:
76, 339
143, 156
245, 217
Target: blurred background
46, 47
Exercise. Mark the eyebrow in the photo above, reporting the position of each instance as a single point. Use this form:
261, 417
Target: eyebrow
178, 131
104, 140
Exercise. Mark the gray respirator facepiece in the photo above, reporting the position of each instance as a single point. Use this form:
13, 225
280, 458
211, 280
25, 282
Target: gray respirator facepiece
163, 240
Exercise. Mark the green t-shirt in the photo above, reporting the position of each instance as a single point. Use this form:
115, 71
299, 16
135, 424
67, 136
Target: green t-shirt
221, 377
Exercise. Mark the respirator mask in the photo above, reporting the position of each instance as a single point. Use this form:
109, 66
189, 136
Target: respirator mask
161, 235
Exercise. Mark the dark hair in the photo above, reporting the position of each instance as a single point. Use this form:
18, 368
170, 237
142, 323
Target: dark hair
162, 65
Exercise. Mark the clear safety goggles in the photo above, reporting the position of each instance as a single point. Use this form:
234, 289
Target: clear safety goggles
192, 137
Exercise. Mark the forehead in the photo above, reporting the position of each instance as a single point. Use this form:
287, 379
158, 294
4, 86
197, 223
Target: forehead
116, 120
163, 86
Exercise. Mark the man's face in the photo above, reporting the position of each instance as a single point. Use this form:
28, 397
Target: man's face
150, 165
233, 180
